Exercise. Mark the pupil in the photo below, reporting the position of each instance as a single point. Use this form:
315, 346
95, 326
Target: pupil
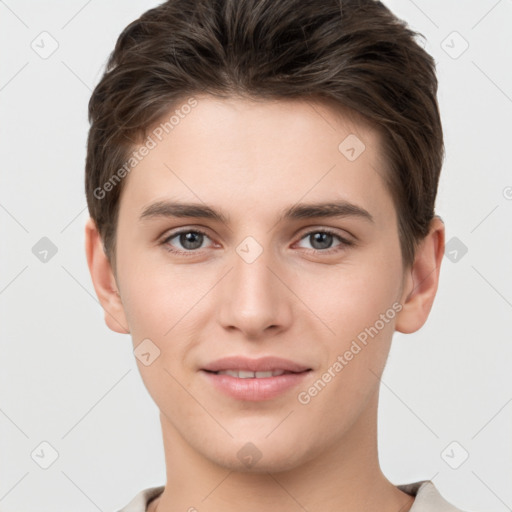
188, 240
322, 238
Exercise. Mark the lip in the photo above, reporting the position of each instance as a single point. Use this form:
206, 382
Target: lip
263, 364
255, 389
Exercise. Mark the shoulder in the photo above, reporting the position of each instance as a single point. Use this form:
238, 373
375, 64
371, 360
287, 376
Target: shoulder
140, 502
427, 498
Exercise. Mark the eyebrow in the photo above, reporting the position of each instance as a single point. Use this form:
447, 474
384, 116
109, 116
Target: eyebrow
296, 212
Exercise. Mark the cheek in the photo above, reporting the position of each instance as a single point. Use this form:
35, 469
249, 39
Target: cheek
169, 306
160, 307
351, 297
143, 304
359, 311
155, 295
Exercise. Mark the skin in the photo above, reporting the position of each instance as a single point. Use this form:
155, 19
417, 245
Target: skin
251, 160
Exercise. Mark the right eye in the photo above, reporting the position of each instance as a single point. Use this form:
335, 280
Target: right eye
190, 239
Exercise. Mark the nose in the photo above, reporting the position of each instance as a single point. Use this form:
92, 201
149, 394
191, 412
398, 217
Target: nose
254, 298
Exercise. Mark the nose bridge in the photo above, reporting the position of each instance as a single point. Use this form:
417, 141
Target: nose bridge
253, 298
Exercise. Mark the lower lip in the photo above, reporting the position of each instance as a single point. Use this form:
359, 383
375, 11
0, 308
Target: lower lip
254, 389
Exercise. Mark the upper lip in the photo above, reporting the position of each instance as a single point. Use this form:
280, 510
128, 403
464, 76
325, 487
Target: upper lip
263, 364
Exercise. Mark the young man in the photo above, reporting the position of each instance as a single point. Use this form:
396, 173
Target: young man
261, 178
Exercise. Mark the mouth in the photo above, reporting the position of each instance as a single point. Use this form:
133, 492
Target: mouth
255, 379
247, 374
246, 367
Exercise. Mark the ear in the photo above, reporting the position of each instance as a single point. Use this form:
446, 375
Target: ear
421, 280
103, 280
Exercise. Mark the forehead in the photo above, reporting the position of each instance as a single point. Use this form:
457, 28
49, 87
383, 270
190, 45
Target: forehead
246, 152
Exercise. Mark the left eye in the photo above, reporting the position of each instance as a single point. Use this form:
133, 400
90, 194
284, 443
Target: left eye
322, 240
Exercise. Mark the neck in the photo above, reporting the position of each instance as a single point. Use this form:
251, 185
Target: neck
344, 478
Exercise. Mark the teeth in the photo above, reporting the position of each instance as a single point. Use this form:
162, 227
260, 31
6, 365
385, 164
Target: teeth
245, 374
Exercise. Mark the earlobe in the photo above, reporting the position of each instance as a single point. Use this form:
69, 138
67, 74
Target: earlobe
103, 280
422, 280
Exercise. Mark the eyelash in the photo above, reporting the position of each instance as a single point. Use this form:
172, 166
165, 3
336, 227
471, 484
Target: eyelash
344, 241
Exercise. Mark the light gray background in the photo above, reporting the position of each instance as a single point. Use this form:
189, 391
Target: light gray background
67, 380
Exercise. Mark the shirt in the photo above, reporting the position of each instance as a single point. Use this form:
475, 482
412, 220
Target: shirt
427, 498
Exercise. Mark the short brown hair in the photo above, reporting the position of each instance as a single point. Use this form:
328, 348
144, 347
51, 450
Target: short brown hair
355, 53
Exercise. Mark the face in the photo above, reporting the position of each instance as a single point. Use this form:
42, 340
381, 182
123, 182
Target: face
255, 272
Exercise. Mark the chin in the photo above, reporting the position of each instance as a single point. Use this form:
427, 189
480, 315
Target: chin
259, 455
